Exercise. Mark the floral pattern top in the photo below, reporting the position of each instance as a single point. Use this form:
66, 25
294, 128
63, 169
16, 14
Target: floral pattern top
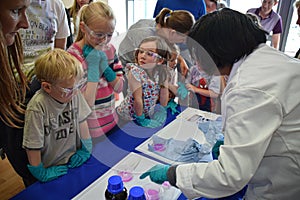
150, 92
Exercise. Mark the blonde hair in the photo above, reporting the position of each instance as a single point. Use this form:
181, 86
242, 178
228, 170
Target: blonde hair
13, 82
74, 12
179, 20
57, 65
94, 11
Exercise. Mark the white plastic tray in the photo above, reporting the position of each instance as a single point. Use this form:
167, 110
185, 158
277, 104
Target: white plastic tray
140, 164
182, 128
191, 114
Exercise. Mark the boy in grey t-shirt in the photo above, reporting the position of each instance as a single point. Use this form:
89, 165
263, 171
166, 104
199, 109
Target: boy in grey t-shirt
56, 135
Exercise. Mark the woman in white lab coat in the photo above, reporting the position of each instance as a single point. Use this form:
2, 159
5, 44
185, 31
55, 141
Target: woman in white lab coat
260, 109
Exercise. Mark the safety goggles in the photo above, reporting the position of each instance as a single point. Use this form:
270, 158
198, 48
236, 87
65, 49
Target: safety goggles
99, 36
148, 53
67, 92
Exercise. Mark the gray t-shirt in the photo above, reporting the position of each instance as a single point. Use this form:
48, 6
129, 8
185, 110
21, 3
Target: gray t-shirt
136, 33
53, 127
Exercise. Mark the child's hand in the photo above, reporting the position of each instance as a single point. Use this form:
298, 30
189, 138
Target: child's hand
182, 92
190, 87
173, 106
150, 123
109, 74
87, 144
86, 50
47, 174
82, 154
161, 114
96, 61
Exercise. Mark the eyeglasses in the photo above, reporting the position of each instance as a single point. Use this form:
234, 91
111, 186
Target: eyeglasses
148, 53
67, 92
99, 36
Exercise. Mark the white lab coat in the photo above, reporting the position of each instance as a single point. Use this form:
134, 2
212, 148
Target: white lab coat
261, 112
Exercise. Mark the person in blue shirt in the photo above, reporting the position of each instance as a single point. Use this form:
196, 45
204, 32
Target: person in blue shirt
196, 7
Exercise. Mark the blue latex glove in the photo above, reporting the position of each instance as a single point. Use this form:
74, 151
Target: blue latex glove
87, 144
97, 63
150, 123
82, 154
160, 114
47, 174
216, 149
109, 74
182, 92
157, 174
173, 106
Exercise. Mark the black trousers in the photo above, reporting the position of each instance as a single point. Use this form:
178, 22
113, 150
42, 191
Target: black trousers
11, 142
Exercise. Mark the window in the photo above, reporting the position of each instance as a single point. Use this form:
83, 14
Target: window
292, 43
132, 12
143, 9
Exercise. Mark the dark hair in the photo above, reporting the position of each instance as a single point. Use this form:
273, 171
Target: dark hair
179, 20
215, 2
226, 35
254, 18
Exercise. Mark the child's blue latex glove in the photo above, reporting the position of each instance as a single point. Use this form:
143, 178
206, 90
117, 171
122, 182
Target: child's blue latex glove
82, 154
182, 92
109, 74
150, 123
161, 114
47, 174
97, 63
87, 144
173, 106
157, 174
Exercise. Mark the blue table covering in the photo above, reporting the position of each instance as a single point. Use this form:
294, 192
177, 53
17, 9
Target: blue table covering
108, 150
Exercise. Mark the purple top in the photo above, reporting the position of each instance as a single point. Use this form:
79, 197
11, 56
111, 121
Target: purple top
272, 23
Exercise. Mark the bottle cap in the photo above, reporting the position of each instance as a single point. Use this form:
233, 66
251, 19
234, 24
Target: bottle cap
136, 193
115, 184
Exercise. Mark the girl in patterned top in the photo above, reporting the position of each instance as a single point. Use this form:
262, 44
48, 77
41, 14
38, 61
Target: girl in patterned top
147, 82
